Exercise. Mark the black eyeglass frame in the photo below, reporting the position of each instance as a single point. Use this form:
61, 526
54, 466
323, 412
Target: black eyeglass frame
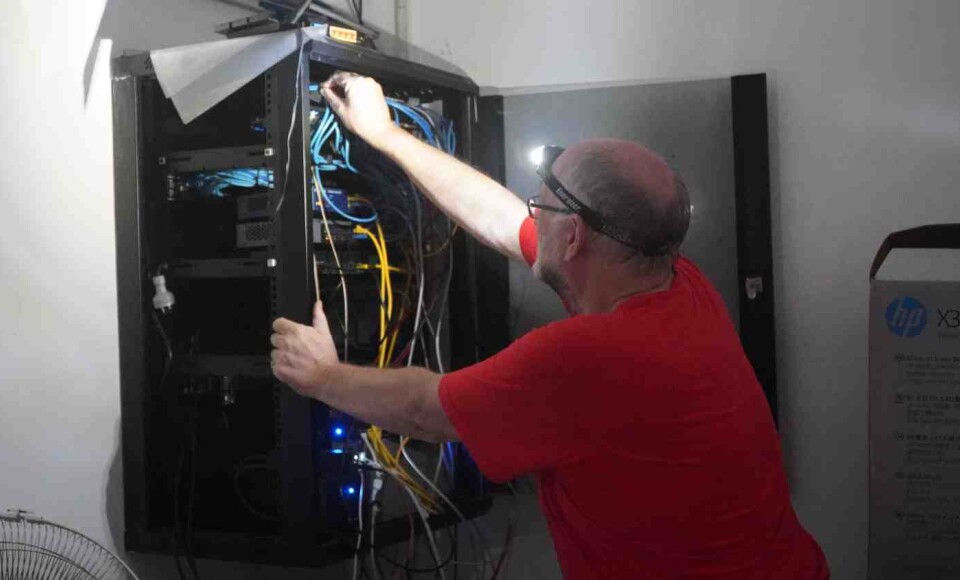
591, 217
533, 204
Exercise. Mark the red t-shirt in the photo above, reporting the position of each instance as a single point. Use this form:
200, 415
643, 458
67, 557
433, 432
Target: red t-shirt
651, 440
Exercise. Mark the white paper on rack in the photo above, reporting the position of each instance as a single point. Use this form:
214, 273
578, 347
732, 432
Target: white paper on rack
198, 76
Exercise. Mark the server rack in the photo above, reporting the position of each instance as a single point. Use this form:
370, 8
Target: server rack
202, 416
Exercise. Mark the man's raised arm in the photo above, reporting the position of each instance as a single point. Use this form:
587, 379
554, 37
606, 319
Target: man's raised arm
480, 205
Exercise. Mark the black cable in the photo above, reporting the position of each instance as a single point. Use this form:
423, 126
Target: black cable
388, 225
392, 320
456, 549
166, 345
179, 471
192, 493
363, 572
507, 542
299, 13
246, 504
176, 511
185, 535
413, 569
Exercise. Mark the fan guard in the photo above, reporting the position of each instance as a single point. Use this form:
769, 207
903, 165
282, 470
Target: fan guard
32, 548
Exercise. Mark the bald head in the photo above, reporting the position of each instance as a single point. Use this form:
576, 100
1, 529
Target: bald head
632, 187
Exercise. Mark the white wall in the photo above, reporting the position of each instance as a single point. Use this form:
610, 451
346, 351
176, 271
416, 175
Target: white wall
59, 398
865, 139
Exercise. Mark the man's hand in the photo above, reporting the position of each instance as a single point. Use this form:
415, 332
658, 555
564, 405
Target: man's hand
477, 203
359, 103
303, 356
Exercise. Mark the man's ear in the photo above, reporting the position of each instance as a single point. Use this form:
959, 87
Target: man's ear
575, 238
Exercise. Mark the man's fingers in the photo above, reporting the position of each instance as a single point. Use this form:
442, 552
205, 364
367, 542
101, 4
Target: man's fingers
333, 99
340, 77
280, 357
277, 341
283, 326
336, 88
281, 373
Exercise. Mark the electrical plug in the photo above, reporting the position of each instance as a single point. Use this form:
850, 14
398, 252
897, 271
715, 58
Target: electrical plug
377, 485
163, 299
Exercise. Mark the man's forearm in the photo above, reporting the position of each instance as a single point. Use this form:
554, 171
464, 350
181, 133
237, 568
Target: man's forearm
403, 401
483, 207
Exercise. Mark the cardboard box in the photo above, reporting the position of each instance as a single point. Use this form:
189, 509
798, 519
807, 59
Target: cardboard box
915, 417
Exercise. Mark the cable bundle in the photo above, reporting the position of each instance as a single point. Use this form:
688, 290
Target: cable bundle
215, 183
436, 129
334, 150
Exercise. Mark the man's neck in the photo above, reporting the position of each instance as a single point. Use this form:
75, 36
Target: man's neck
607, 291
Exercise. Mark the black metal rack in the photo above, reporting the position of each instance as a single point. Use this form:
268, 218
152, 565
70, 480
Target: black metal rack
152, 147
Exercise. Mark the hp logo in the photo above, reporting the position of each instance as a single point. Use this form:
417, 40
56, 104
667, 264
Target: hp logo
906, 317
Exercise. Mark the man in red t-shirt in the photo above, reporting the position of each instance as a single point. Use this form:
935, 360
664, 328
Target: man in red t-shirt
651, 441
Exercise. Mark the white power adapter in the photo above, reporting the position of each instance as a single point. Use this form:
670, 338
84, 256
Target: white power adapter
163, 299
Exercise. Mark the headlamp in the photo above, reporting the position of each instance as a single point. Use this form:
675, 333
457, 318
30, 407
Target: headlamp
545, 157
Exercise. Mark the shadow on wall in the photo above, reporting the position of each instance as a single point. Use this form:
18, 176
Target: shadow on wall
114, 493
147, 24
92, 54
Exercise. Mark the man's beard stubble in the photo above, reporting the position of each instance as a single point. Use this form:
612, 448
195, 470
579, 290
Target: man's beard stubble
553, 278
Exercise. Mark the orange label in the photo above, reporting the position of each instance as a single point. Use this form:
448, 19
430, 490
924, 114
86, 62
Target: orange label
343, 34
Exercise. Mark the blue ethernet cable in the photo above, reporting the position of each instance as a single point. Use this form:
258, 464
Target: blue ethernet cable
417, 118
436, 129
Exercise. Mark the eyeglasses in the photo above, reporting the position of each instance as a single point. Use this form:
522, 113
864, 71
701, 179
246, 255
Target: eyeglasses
574, 205
534, 203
